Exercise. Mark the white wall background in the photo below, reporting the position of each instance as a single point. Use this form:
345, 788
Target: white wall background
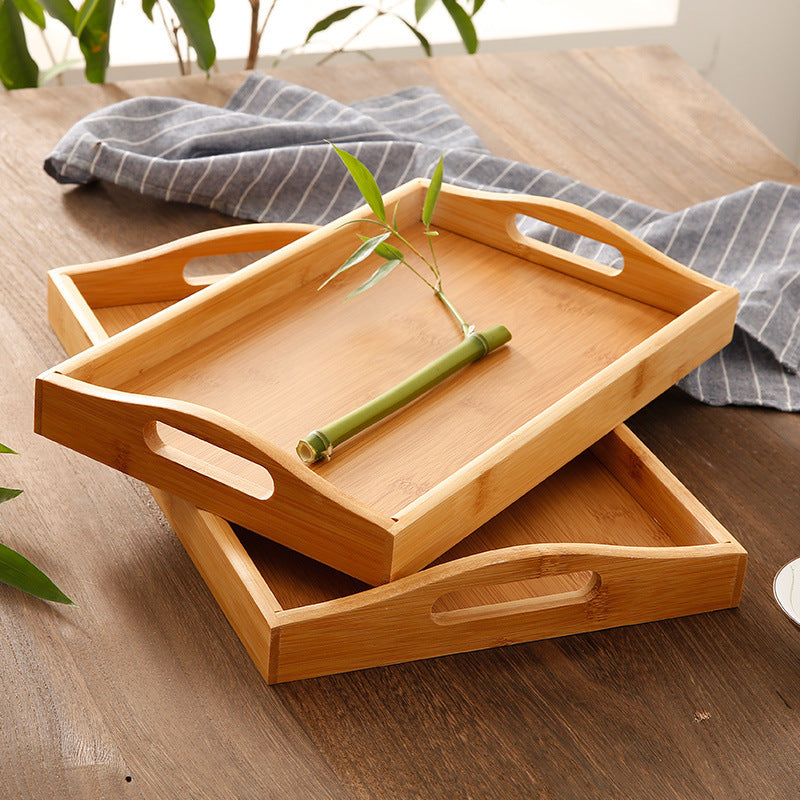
750, 51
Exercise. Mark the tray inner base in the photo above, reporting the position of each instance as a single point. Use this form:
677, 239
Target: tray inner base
309, 357
582, 502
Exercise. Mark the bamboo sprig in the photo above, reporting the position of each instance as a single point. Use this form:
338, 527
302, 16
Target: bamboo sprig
319, 444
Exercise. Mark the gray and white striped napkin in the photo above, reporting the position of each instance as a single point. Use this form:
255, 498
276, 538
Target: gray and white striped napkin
264, 157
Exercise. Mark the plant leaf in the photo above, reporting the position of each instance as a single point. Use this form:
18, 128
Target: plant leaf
193, 16
8, 494
32, 10
422, 7
389, 252
424, 43
365, 182
4, 448
94, 40
17, 571
464, 24
326, 22
63, 11
432, 195
476, 6
380, 273
147, 7
84, 13
17, 69
359, 255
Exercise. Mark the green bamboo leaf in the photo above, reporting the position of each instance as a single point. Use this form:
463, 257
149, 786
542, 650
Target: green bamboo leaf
4, 448
432, 194
32, 10
63, 11
326, 22
365, 182
422, 7
193, 16
94, 41
389, 252
8, 494
464, 25
84, 13
379, 274
17, 67
147, 7
366, 249
476, 6
424, 43
17, 571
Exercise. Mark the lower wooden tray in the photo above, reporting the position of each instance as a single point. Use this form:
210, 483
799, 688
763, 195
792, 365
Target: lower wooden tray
610, 539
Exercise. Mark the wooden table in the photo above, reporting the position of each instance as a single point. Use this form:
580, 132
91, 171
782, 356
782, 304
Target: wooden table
144, 690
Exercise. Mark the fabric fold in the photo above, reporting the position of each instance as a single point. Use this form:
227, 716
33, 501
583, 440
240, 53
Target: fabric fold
265, 157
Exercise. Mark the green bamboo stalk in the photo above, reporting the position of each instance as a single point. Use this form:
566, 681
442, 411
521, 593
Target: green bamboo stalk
319, 444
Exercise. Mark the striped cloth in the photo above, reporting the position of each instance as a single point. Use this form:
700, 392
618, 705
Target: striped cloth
264, 157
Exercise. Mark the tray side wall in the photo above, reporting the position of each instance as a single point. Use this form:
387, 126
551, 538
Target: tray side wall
428, 527
236, 584
634, 588
648, 275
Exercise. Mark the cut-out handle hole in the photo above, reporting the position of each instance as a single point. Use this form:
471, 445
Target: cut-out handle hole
207, 459
608, 259
202, 267
515, 597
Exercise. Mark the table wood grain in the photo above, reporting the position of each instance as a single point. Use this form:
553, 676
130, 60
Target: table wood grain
144, 691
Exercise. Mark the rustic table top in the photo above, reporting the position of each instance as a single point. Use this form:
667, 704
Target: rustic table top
144, 690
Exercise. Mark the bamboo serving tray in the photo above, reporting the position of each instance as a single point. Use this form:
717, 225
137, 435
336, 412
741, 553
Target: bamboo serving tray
207, 399
611, 539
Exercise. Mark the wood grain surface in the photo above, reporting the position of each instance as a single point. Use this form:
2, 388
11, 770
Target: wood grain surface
144, 691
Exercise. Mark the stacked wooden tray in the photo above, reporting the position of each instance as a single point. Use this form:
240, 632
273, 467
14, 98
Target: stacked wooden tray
205, 399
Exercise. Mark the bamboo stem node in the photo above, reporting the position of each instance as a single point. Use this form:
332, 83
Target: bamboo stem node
319, 444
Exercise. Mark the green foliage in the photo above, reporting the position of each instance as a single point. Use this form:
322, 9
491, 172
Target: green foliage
367, 249
63, 11
432, 195
391, 255
193, 16
463, 22
458, 13
365, 182
17, 67
17, 571
93, 37
326, 22
90, 24
33, 11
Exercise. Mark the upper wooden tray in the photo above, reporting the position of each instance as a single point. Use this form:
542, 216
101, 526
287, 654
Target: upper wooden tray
208, 398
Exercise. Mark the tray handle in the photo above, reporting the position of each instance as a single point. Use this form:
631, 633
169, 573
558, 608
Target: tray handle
647, 274
605, 571
515, 565
157, 274
127, 431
